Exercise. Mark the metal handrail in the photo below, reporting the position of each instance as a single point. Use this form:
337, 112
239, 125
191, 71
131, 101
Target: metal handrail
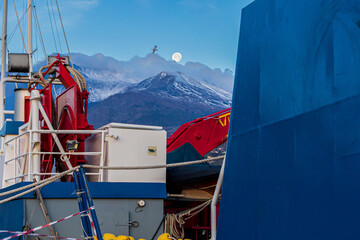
44, 174
55, 153
20, 156
16, 137
57, 131
68, 131
30, 153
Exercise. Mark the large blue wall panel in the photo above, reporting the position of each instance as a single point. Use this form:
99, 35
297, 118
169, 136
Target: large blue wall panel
293, 167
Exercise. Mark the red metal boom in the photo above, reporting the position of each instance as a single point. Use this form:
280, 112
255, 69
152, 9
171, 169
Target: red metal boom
204, 134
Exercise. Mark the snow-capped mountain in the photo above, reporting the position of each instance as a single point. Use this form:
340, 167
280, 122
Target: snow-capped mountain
151, 90
103, 83
107, 76
180, 87
167, 99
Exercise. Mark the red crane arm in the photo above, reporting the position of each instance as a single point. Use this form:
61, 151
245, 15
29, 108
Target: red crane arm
204, 134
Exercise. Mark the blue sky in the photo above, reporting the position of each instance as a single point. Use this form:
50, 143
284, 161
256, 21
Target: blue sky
203, 31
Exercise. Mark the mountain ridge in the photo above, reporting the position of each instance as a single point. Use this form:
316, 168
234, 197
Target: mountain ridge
102, 72
167, 99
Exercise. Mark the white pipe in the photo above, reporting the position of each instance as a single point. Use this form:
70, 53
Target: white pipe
19, 104
3, 59
9, 112
215, 200
3, 92
35, 139
102, 159
29, 35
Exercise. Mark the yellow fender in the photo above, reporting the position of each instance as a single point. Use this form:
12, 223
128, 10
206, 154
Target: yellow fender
122, 237
109, 236
164, 236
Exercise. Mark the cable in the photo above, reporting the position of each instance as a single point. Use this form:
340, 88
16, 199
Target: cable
47, 181
38, 183
17, 17
39, 29
155, 166
51, 24
157, 230
11, 35
28, 191
57, 31
62, 25
78, 78
176, 221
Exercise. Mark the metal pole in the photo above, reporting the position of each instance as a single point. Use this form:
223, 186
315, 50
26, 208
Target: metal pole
83, 183
30, 157
80, 192
3, 60
215, 200
102, 158
29, 35
35, 140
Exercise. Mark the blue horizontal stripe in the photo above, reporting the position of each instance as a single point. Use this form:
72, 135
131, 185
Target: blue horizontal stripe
97, 190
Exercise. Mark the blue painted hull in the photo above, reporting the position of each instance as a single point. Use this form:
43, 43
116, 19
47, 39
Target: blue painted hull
115, 204
294, 144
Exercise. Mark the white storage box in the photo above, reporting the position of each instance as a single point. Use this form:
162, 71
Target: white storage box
129, 145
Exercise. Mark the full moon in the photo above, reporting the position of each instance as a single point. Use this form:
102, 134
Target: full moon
176, 57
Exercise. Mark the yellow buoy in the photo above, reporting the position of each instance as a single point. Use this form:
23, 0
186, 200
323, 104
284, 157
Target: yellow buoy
109, 236
122, 237
164, 236
131, 238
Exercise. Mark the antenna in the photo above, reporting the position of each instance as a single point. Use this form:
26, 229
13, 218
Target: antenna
29, 35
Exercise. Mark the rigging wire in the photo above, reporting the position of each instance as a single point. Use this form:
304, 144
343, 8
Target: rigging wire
55, 23
24, 8
15, 28
17, 17
62, 25
51, 24
1, 4
35, 53
39, 29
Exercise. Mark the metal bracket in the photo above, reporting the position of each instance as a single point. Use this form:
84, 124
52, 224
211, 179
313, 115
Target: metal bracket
115, 137
134, 224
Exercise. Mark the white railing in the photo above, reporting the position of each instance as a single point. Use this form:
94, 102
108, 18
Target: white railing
17, 79
25, 160
23, 155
